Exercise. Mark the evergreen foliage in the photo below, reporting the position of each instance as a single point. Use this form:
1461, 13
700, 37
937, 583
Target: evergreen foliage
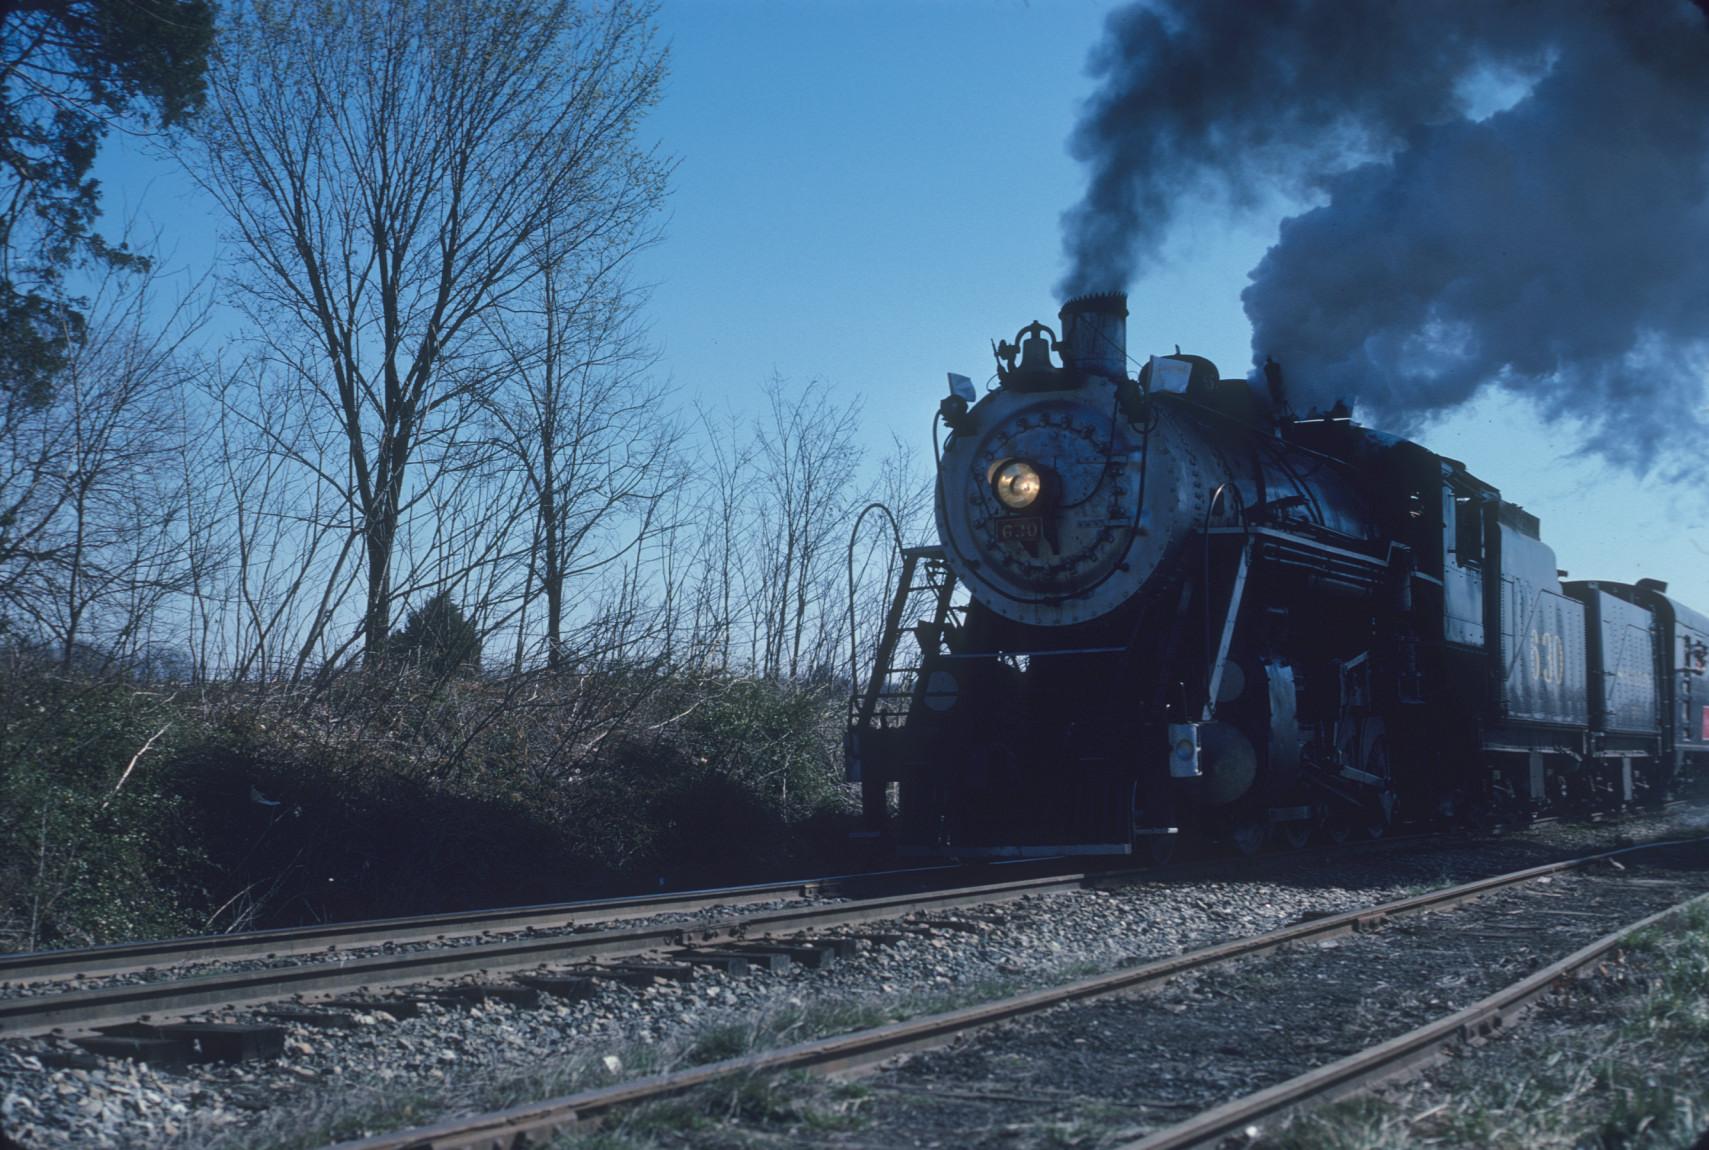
438, 640
68, 69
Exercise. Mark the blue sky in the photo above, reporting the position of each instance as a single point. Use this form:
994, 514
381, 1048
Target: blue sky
868, 193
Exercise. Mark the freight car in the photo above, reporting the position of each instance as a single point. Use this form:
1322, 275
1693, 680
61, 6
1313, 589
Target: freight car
1162, 604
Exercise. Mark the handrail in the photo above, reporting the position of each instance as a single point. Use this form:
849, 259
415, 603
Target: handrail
854, 642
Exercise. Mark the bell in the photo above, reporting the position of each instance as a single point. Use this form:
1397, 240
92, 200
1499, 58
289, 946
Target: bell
1035, 354
1035, 372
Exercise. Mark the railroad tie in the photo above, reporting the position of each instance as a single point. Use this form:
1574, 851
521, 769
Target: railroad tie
179, 1043
574, 987
524, 996
165, 1053
642, 974
397, 1008
813, 956
756, 960
728, 963
323, 1019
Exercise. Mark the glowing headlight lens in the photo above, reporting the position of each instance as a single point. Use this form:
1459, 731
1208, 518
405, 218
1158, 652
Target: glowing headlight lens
1017, 484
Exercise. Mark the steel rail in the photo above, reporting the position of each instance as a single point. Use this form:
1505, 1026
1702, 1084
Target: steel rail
121, 958
1394, 1057
172, 998
520, 1126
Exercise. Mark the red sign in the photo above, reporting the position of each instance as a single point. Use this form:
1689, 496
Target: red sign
1706, 724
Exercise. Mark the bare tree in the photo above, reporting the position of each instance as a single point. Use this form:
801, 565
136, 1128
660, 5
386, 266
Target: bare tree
725, 478
283, 537
390, 166
808, 462
587, 428
92, 488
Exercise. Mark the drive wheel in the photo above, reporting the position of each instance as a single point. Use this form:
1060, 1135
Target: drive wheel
1375, 760
1249, 836
1344, 817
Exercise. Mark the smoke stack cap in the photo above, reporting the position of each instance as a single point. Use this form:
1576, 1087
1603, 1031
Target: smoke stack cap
1094, 335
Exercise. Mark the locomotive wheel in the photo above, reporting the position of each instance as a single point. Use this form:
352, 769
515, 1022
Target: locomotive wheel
1343, 818
1375, 760
1249, 836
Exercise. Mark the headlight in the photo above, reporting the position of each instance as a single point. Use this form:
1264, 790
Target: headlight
1017, 484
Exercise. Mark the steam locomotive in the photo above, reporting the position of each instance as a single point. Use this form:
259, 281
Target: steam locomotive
1163, 605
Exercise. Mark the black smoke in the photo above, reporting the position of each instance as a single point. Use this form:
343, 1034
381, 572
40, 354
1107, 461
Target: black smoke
1557, 247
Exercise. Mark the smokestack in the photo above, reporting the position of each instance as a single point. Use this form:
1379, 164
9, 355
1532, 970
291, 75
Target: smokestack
1094, 335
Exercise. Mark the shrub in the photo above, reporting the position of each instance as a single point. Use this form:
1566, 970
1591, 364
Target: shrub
96, 843
396, 793
438, 639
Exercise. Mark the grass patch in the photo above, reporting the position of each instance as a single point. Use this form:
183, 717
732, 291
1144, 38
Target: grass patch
337, 1118
1442, 881
750, 1110
345, 1113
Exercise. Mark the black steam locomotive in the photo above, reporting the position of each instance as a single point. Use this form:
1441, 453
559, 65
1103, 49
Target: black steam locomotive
1163, 605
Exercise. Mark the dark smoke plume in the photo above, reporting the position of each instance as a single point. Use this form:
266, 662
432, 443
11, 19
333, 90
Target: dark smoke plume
1558, 247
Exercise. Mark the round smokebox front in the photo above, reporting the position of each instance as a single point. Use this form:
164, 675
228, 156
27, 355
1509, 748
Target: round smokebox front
1038, 504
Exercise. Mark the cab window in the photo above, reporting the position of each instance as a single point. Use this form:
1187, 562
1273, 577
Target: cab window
1463, 528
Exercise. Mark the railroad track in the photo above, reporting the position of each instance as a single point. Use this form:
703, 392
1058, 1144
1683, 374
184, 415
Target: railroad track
790, 932
531, 1124
40, 995
30, 968
135, 957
